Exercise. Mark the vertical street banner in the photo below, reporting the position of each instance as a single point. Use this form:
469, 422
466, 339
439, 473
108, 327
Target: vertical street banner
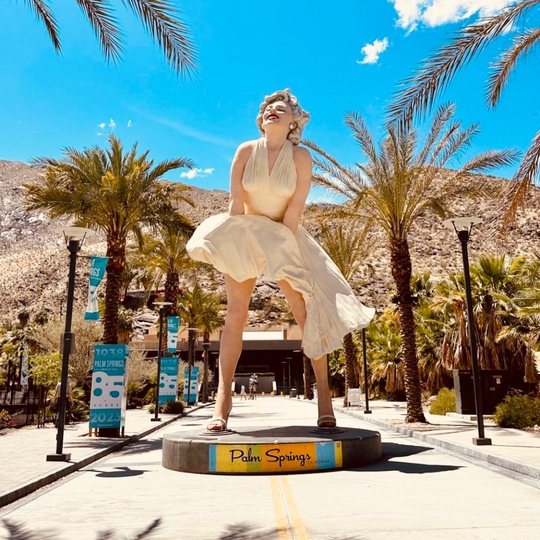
193, 387
168, 379
97, 271
109, 386
173, 324
24, 366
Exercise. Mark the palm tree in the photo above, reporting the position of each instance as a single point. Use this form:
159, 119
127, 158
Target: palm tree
167, 256
439, 70
399, 182
348, 248
159, 17
113, 192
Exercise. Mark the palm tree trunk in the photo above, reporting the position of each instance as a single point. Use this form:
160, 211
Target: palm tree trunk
351, 375
116, 251
172, 282
206, 339
402, 272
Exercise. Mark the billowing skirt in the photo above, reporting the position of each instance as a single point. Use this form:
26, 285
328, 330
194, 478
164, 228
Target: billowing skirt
247, 246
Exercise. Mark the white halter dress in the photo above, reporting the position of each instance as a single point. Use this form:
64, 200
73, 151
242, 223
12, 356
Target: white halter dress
256, 243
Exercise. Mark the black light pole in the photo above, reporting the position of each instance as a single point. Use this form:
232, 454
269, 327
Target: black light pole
463, 228
161, 306
206, 346
74, 237
364, 354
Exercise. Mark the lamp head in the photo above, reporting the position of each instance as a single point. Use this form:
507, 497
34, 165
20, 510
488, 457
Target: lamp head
74, 233
460, 224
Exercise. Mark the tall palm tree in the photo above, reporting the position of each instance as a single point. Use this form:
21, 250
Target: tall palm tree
439, 69
348, 247
113, 192
159, 17
399, 182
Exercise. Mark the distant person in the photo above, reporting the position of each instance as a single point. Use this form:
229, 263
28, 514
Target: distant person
253, 385
261, 234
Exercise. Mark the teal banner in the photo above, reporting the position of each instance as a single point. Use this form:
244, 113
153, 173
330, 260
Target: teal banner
108, 395
168, 379
173, 324
193, 386
97, 271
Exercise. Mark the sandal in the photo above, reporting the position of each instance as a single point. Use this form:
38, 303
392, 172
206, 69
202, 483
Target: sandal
217, 425
327, 421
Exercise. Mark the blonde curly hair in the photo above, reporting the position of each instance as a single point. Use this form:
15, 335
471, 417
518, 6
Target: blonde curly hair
300, 116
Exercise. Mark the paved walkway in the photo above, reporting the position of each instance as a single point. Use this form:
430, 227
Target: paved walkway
25, 469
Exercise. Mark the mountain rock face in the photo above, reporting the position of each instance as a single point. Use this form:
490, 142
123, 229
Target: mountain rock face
34, 259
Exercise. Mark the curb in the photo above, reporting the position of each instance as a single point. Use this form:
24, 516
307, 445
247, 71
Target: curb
503, 463
8, 497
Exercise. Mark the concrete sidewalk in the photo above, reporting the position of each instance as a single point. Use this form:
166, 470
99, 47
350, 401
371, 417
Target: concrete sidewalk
23, 451
511, 449
25, 469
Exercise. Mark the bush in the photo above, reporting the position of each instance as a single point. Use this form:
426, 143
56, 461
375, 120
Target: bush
445, 402
5, 419
518, 411
173, 407
170, 407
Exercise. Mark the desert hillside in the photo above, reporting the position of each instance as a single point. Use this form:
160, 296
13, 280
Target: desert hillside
34, 261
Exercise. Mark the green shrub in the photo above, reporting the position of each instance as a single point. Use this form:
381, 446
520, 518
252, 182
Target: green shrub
173, 407
445, 402
518, 411
170, 407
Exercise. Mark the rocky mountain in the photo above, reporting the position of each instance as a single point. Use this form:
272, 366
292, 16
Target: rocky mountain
34, 261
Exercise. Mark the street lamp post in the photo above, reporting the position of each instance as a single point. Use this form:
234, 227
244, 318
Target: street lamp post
74, 237
364, 354
161, 306
206, 346
463, 228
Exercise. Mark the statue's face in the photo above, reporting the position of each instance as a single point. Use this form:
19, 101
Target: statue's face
277, 113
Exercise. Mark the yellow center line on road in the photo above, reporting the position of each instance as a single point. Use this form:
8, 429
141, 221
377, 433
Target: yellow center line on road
289, 522
283, 529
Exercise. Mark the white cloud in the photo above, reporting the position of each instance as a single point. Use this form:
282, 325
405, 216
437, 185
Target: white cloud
372, 51
112, 123
102, 125
130, 123
438, 12
196, 173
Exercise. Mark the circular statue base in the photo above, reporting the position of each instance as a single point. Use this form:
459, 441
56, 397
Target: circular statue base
271, 450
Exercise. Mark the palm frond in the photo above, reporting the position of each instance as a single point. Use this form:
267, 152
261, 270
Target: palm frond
443, 115
362, 135
100, 15
44, 14
491, 159
524, 178
506, 63
161, 20
440, 68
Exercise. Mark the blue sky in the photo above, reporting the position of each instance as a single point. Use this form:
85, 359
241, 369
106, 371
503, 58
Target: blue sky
340, 56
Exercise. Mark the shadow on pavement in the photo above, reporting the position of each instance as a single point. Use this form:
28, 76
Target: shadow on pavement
118, 472
19, 532
240, 531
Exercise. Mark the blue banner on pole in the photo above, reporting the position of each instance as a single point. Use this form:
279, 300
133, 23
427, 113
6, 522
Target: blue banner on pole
173, 324
97, 271
192, 385
108, 394
168, 379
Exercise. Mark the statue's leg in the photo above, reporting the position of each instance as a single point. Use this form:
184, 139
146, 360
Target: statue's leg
238, 298
320, 365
